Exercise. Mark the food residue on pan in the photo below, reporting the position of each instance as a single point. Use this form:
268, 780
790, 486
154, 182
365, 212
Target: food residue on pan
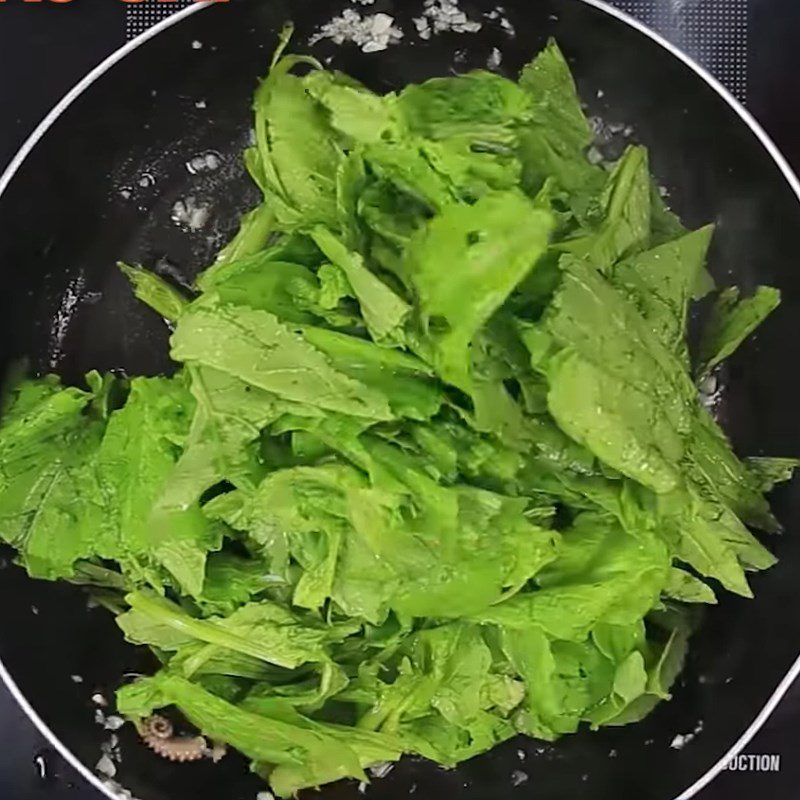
372, 33
113, 722
499, 15
117, 791
682, 739
518, 777
204, 162
376, 32
106, 766
495, 59
190, 214
110, 757
440, 16
69, 302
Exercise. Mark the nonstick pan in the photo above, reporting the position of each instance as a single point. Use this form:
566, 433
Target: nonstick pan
99, 181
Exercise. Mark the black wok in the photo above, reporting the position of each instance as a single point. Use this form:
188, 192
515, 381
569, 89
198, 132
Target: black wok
99, 185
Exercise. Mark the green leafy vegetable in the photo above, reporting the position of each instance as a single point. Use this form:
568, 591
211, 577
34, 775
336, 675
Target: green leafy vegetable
154, 291
732, 321
551, 147
498, 240
432, 470
662, 281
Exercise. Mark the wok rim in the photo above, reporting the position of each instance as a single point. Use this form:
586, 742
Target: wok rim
106, 64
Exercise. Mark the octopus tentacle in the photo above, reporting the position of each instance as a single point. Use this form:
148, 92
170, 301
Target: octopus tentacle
158, 734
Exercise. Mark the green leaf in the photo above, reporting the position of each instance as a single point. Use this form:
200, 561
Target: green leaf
473, 168
139, 450
257, 348
383, 311
262, 630
663, 667
405, 166
582, 587
499, 229
228, 418
354, 111
710, 538
287, 290
624, 229
687, 588
715, 467
552, 147
630, 679
232, 581
732, 320
666, 226
292, 248
255, 228
662, 282
479, 104
769, 472
297, 150
404, 380
618, 421
615, 387
155, 292
564, 681
51, 506
304, 753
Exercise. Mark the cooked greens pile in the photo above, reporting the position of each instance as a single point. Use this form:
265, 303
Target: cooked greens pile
433, 469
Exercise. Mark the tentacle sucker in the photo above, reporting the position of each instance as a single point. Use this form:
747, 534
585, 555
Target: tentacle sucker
158, 734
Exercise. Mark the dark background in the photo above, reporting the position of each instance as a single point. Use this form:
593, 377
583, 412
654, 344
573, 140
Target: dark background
46, 47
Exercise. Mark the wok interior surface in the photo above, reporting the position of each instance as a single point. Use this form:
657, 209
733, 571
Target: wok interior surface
101, 187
